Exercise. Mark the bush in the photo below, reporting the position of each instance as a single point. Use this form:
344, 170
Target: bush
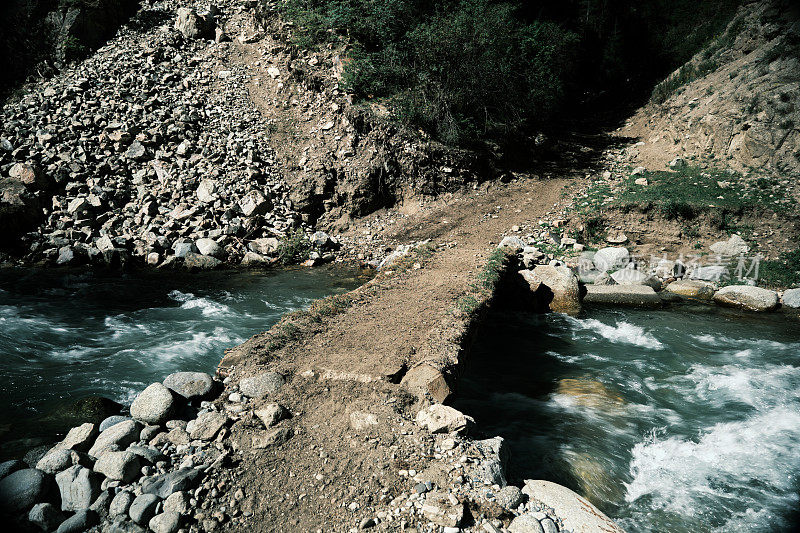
294, 247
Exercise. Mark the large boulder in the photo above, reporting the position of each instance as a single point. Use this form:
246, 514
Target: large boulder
154, 405
45, 516
209, 247
117, 436
631, 276
56, 460
439, 418
79, 522
254, 203
692, 288
747, 297
611, 258
262, 385
163, 485
512, 243
190, 385
80, 438
192, 25
576, 512
167, 522
553, 288
79, 487
193, 261
143, 508
626, 295
22, 489
264, 246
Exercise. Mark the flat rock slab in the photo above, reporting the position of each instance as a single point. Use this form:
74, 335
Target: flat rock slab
119, 466
117, 436
577, 513
626, 295
747, 297
166, 484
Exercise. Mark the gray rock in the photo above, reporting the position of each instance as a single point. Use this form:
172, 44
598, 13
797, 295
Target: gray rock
183, 248
206, 190
165, 484
439, 418
791, 298
747, 297
630, 276
46, 516
55, 460
148, 432
709, 273
102, 503
143, 508
11, 466
166, 522
576, 513
626, 295
732, 247
271, 414
34, 455
80, 438
190, 385
207, 425
177, 502
79, 487
80, 521
274, 437
112, 421
193, 261
66, 255
257, 387
264, 246
549, 526
512, 243
121, 503
208, 247
20, 490
117, 436
554, 288
136, 151
154, 405
509, 497
525, 523
254, 203
611, 258
192, 25
147, 453
119, 466
692, 289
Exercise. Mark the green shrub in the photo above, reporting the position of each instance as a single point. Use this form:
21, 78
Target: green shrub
294, 247
782, 272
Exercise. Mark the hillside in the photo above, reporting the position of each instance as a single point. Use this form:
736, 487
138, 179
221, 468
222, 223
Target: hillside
736, 102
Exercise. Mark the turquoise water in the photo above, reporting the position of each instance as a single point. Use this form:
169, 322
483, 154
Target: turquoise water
64, 336
669, 421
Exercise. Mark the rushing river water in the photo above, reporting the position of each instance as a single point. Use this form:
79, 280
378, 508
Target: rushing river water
670, 421
65, 336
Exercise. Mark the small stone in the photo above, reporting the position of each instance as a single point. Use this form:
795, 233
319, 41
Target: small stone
207, 425
167, 522
80, 521
143, 508
271, 414
46, 516
509, 497
121, 504
440, 418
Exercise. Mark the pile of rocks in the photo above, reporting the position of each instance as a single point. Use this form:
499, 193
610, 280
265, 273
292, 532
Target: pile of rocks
150, 149
612, 275
146, 470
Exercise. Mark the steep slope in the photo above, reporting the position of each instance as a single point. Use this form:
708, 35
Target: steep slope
736, 102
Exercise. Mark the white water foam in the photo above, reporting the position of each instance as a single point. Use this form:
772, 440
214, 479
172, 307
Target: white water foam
622, 333
759, 387
189, 348
207, 307
691, 477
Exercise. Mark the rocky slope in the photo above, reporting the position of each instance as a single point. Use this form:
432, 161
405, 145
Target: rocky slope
736, 102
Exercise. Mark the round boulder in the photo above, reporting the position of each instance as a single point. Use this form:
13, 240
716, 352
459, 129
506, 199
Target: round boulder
154, 405
262, 385
747, 297
190, 385
23, 489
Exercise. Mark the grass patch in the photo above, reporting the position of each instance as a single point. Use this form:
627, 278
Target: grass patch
484, 285
685, 194
781, 272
